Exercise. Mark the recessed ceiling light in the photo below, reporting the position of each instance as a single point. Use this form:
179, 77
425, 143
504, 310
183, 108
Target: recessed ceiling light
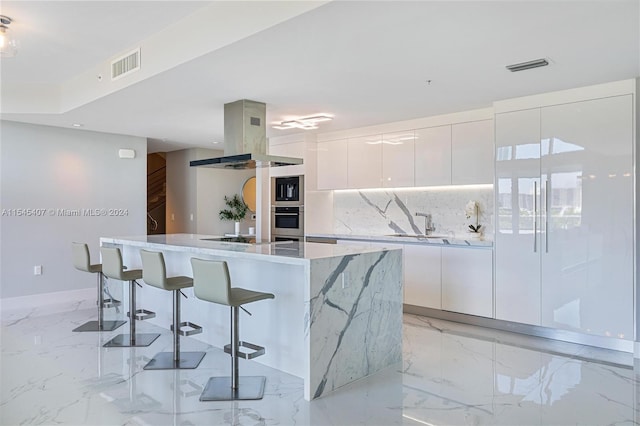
215, 142
305, 123
77, 125
528, 65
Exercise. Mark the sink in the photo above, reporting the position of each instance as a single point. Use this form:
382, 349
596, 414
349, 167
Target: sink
419, 236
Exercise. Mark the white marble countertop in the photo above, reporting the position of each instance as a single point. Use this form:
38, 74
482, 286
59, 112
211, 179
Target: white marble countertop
435, 240
289, 252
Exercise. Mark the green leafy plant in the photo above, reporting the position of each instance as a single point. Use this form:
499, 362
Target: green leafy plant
475, 228
237, 209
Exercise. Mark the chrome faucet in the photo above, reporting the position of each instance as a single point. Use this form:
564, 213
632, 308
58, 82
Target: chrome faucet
429, 227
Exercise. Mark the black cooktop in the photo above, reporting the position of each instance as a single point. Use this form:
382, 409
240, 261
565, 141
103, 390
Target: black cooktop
239, 239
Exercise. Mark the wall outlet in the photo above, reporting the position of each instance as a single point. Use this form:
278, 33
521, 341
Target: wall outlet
173, 217
191, 217
37, 270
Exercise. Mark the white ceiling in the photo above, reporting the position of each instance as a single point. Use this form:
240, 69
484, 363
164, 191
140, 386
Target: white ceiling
365, 62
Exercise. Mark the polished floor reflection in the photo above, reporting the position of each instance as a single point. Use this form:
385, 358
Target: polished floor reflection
452, 374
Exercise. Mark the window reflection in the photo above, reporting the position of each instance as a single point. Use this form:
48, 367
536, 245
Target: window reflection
516, 206
560, 146
565, 201
527, 151
503, 153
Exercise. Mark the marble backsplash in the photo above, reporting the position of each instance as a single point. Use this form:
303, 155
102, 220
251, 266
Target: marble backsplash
382, 212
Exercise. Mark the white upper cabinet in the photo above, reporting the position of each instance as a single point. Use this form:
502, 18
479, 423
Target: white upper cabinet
432, 160
397, 159
587, 174
365, 162
295, 150
472, 152
332, 164
457, 154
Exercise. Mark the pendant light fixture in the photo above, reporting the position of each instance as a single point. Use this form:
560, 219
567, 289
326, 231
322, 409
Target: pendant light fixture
8, 44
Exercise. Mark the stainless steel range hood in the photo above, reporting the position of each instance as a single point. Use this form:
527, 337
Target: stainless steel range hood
245, 139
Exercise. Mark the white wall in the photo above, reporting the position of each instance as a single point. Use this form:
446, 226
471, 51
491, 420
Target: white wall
200, 191
52, 168
212, 186
181, 192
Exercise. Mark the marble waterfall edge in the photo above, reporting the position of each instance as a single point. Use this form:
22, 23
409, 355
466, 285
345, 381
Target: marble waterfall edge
355, 318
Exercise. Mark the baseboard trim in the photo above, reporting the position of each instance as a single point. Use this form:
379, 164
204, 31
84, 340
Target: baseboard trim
531, 330
63, 300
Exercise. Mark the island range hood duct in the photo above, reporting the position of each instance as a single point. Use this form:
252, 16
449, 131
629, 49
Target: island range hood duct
245, 139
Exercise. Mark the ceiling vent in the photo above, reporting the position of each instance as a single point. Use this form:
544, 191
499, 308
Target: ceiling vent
125, 65
528, 65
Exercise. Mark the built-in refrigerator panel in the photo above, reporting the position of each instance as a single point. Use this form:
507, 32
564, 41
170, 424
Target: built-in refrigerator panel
518, 225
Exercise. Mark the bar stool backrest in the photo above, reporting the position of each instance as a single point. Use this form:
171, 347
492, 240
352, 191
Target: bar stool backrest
211, 281
154, 271
80, 254
112, 263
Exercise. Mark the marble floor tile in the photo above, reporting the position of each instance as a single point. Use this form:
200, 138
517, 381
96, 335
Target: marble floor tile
451, 374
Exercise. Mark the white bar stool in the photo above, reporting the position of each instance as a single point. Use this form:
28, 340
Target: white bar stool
211, 282
112, 268
154, 273
82, 262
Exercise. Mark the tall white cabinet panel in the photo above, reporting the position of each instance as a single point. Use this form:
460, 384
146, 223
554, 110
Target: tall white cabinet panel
467, 281
422, 276
433, 156
517, 238
332, 164
472, 152
587, 260
365, 162
397, 159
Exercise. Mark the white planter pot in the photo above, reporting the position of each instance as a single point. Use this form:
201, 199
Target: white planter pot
237, 228
474, 236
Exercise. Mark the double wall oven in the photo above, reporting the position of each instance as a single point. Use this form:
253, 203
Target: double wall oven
287, 208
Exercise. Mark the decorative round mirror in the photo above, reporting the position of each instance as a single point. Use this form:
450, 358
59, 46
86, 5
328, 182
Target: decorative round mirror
249, 193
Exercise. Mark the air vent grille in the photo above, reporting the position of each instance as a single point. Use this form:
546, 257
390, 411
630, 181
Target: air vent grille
528, 65
125, 65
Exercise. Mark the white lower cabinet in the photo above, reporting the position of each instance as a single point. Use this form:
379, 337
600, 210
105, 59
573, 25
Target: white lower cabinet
467, 281
456, 279
422, 276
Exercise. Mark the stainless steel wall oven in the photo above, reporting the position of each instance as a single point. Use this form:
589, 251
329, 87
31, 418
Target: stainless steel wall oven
287, 208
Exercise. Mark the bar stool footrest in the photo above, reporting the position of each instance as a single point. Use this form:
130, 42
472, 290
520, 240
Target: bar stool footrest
142, 314
257, 350
195, 328
110, 303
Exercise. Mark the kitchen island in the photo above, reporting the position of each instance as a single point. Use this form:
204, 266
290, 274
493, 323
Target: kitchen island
337, 312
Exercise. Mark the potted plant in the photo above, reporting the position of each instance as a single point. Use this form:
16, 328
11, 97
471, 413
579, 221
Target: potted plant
236, 211
473, 209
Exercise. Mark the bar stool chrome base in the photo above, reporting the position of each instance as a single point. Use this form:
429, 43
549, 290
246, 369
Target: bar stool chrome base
125, 341
219, 389
165, 361
96, 326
